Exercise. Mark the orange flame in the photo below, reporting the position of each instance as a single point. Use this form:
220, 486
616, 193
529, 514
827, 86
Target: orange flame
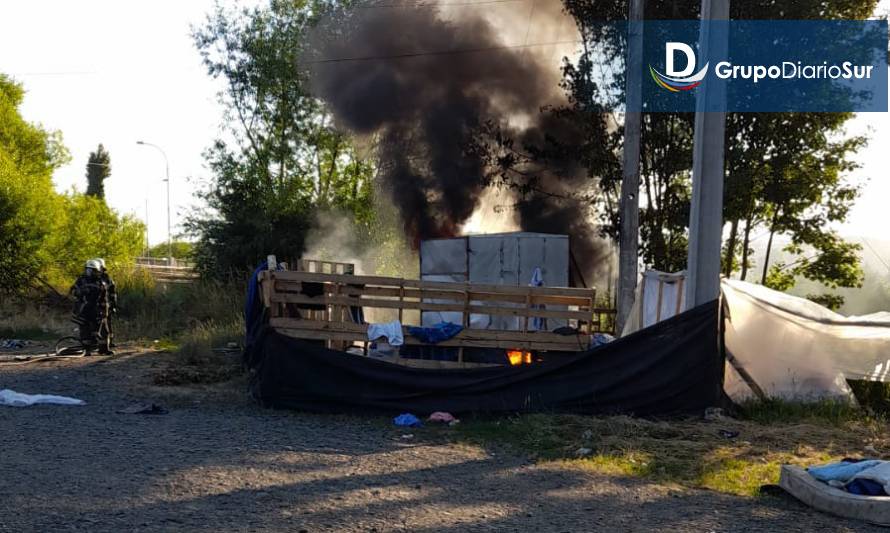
519, 357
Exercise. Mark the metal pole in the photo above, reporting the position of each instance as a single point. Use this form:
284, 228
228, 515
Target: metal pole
147, 244
706, 216
628, 255
169, 233
167, 169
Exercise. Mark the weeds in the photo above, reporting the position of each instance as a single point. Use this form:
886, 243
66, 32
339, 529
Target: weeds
691, 452
208, 353
20, 319
151, 311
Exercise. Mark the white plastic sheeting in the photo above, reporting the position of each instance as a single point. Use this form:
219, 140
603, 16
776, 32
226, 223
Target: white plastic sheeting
659, 296
795, 348
495, 259
792, 348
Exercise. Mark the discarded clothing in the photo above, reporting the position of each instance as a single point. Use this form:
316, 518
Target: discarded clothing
600, 339
436, 333
842, 472
391, 330
407, 420
382, 349
865, 487
12, 344
16, 399
440, 416
143, 409
879, 474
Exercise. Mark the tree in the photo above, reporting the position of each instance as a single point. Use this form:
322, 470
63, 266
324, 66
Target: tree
45, 237
88, 228
284, 160
786, 173
28, 206
98, 170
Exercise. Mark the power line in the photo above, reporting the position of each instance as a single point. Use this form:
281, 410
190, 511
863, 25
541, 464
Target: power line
437, 4
528, 27
70, 73
881, 259
441, 52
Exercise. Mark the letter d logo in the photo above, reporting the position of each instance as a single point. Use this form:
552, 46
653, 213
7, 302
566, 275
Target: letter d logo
671, 50
675, 80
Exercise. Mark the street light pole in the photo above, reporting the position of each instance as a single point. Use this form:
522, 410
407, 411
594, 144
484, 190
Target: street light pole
167, 167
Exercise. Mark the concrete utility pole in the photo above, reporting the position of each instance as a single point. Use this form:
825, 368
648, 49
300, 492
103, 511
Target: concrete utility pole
628, 254
706, 217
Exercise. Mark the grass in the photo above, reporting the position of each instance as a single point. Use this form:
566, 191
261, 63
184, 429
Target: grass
690, 452
204, 356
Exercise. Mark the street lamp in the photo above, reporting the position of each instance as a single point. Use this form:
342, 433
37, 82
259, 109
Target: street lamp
167, 166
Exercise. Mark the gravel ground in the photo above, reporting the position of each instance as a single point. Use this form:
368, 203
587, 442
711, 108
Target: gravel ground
217, 462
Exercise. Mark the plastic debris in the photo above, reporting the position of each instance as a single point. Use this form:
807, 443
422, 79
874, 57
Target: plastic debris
441, 416
17, 399
728, 434
407, 420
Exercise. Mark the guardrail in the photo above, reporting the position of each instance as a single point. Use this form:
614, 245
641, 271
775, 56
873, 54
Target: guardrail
166, 270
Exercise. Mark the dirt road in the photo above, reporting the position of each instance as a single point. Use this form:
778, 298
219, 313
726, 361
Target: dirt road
217, 462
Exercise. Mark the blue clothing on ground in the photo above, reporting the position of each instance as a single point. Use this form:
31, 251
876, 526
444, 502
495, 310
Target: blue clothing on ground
842, 472
407, 420
865, 487
436, 333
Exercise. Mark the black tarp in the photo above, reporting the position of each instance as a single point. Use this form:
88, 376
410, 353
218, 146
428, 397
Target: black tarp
675, 366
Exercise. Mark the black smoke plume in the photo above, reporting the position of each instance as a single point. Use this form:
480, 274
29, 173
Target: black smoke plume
421, 85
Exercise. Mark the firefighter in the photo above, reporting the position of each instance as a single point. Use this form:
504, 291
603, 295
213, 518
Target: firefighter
111, 289
91, 308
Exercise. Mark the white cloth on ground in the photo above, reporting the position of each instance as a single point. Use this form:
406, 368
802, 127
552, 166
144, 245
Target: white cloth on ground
391, 330
16, 399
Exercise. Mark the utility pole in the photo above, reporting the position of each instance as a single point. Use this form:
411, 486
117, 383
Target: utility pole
706, 216
628, 245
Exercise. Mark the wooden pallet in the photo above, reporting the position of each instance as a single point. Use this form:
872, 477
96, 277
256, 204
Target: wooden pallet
312, 305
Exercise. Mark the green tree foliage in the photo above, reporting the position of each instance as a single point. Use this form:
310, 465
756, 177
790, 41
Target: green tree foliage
46, 236
181, 250
786, 173
98, 170
88, 228
282, 160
